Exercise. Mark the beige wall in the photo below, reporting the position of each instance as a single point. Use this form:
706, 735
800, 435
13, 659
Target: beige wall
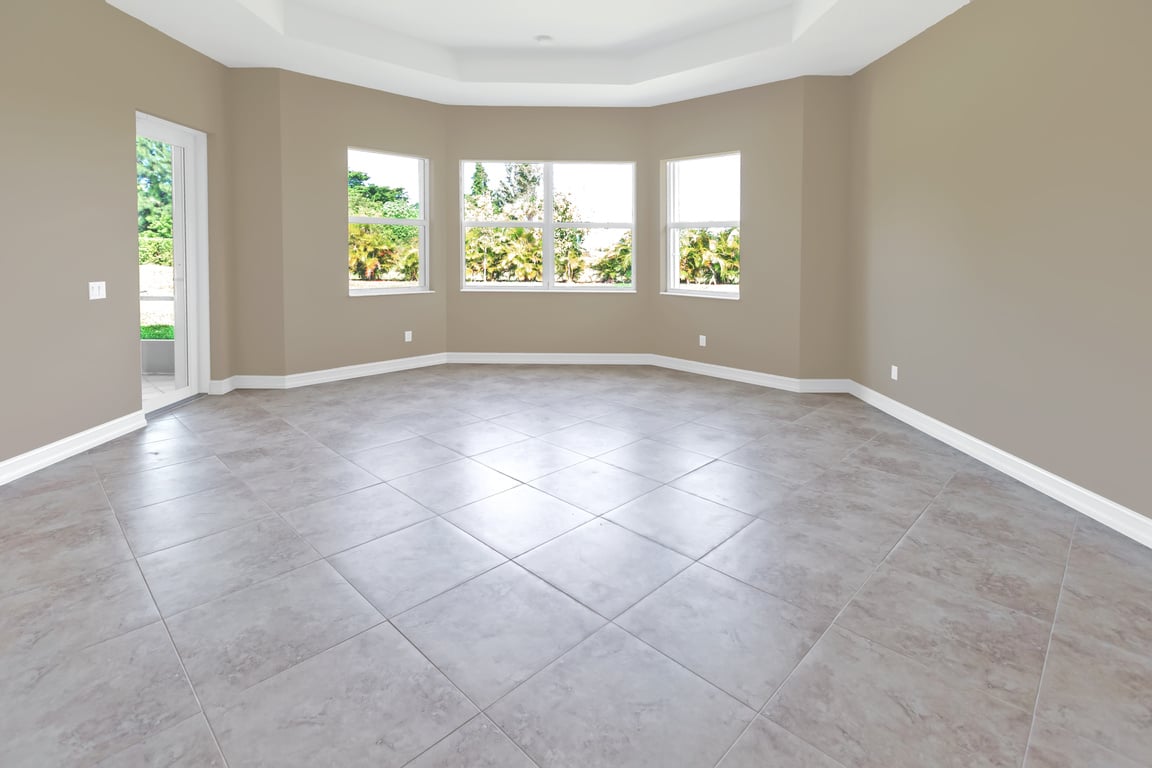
760, 332
1001, 200
72, 75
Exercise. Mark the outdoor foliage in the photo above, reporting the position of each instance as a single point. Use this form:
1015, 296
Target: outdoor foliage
710, 256
154, 201
381, 252
516, 254
157, 332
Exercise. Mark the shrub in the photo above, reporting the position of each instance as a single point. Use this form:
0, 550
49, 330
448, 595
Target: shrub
157, 332
156, 250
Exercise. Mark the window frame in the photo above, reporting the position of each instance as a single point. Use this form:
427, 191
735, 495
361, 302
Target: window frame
670, 263
422, 224
548, 227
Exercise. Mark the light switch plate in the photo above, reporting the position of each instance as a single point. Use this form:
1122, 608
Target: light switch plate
97, 291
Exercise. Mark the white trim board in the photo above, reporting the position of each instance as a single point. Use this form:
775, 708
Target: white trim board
65, 448
1105, 511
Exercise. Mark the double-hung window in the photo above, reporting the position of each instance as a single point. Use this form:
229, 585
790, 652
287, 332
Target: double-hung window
387, 223
558, 226
703, 226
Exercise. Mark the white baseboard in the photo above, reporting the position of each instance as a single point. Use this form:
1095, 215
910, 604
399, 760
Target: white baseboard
65, 448
293, 380
549, 358
1105, 511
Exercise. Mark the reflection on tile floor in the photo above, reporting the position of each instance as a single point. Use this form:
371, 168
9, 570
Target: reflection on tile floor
570, 566
156, 386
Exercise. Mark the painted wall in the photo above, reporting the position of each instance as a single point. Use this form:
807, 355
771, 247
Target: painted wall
73, 73
1000, 227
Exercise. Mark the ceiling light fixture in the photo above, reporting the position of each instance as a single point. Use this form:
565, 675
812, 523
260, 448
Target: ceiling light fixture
544, 40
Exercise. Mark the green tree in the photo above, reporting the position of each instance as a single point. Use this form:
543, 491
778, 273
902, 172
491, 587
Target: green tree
154, 201
710, 256
381, 252
479, 181
616, 265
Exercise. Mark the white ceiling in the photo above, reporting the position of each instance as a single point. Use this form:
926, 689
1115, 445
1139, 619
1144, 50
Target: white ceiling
602, 53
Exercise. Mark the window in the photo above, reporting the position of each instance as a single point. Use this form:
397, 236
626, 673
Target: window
387, 223
560, 226
703, 232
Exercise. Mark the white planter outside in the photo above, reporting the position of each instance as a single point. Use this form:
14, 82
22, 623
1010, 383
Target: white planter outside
158, 356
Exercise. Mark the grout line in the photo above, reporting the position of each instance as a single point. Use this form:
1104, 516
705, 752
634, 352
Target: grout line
171, 641
1051, 635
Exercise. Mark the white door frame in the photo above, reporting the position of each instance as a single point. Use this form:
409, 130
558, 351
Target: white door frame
194, 192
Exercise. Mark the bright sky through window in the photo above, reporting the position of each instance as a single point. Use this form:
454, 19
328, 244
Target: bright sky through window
388, 170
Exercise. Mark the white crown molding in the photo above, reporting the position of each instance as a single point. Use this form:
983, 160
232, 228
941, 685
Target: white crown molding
65, 448
1105, 511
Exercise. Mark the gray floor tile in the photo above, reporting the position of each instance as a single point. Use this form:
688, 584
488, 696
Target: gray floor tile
94, 703
870, 707
186, 745
659, 461
750, 425
45, 555
1040, 532
1053, 748
767, 745
477, 744
453, 485
406, 568
980, 642
807, 572
280, 456
594, 486
917, 458
492, 633
389, 462
639, 421
479, 437
536, 421
177, 521
236, 641
127, 458
604, 566
740, 639
343, 522
794, 453
187, 575
529, 459
56, 507
703, 439
590, 439
993, 571
155, 485
613, 701
61, 618
288, 489
1108, 589
680, 521
1099, 692
743, 489
515, 521
371, 702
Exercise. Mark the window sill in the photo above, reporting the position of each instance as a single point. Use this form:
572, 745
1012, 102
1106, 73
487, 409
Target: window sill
703, 295
539, 289
388, 292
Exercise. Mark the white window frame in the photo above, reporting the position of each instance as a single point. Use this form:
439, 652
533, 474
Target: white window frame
421, 223
671, 261
548, 226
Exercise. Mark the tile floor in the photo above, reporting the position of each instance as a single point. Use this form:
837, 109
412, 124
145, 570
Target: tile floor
566, 566
155, 387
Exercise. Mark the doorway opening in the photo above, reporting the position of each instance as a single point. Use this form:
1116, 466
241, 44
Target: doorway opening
171, 171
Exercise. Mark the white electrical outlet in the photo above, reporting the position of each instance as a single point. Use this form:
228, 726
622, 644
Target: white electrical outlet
97, 291
895, 373
703, 340
407, 336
